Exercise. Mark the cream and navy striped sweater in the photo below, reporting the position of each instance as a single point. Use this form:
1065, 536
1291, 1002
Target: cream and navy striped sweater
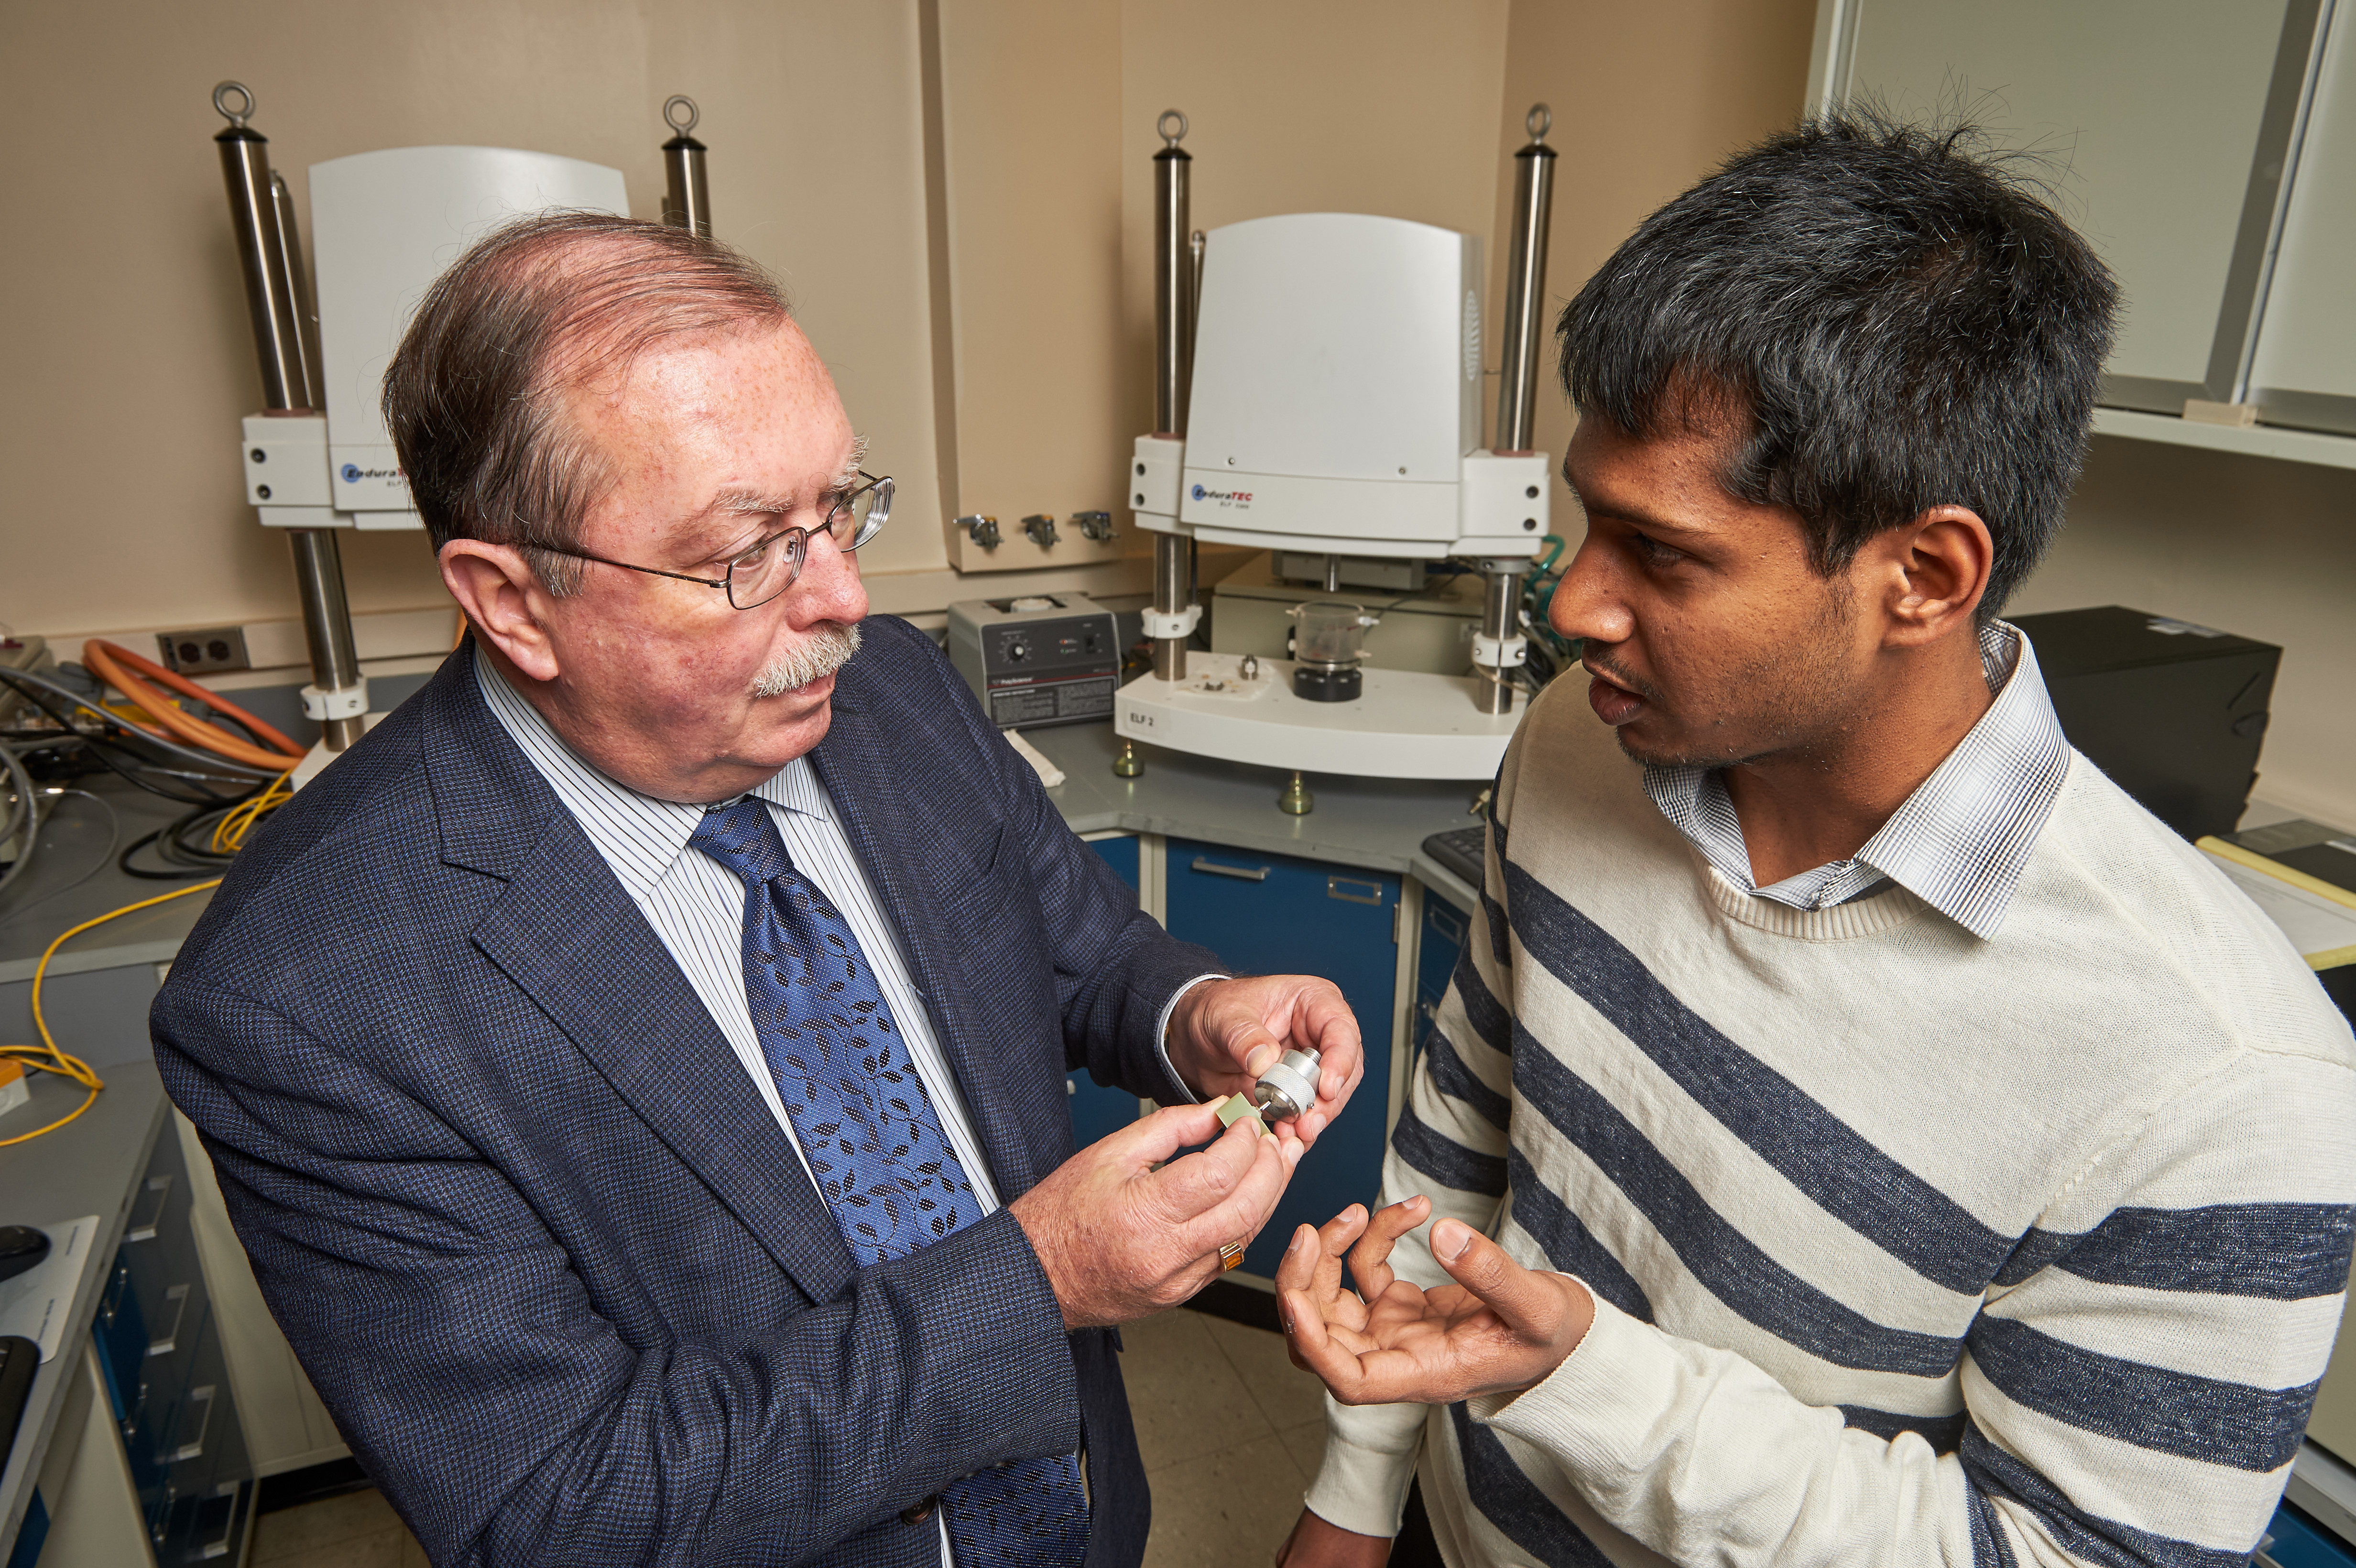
1909, 1246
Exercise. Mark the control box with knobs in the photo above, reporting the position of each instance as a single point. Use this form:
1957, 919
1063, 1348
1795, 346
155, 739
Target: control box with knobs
1036, 660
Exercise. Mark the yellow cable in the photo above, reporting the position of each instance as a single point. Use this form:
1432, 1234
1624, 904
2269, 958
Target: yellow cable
46, 1057
228, 833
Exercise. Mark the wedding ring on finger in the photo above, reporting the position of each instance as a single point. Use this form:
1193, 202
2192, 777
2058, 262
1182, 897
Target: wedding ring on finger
1231, 1254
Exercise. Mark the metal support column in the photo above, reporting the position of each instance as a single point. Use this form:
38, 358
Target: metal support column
1175, 270
270, 252
1499, 647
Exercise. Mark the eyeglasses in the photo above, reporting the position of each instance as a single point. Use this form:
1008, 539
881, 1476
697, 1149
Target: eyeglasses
768, 566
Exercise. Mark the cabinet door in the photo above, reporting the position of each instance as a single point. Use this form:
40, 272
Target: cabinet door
2163, 127
1440, 944
1098, 1110
1274, 915
2305, 372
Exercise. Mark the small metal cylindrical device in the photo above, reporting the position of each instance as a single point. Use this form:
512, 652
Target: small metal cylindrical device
686, 199
1501, 603
1289, 1088
1175, 270
1297, 799
1525, 322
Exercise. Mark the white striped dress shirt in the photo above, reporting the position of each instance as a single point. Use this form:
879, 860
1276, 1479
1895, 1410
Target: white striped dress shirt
1959, 842
697, 906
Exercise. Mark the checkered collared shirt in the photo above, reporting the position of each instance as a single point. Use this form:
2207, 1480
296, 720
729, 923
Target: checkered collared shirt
1960, 841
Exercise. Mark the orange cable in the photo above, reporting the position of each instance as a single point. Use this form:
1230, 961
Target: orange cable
108, 661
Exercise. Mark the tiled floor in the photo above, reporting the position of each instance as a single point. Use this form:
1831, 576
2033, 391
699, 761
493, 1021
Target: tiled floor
1230, 1429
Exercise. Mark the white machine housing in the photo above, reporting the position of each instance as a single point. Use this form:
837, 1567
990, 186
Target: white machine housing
1336, 400
385, 225
1336, 410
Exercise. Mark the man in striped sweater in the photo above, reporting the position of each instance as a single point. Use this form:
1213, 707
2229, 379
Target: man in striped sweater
1857, 1133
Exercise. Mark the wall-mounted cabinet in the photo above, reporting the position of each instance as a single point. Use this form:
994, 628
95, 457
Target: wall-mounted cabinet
2208, 153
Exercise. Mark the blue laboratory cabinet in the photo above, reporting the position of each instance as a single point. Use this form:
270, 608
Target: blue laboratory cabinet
1444, 929
2298, 1542
1265, 914
166, 1375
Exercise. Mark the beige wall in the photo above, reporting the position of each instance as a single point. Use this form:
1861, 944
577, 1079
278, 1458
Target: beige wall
130, 355
1378, 106
1032, 121
1646, 99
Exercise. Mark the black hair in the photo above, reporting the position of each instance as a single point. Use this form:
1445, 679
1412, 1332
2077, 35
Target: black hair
1884, 315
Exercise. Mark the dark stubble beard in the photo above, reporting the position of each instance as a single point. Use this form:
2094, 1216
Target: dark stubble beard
1796, 697
823, 649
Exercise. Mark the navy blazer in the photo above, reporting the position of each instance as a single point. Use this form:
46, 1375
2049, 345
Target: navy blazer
549, 1260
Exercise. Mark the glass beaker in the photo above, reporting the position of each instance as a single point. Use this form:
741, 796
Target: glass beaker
1329, 634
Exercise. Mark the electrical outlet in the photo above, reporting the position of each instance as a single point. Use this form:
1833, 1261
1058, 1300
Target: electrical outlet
212, 648
25, 652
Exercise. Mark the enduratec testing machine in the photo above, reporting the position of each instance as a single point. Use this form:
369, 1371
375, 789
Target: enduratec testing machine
384, 224
1318, 395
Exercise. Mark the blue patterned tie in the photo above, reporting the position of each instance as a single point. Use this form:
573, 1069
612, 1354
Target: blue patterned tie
889, 1175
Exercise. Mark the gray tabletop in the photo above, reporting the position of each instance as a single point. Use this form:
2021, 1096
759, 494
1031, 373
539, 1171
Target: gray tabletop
1379, 824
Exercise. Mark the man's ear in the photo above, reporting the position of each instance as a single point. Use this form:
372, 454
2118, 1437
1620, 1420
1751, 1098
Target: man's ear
1932, 571
503, 600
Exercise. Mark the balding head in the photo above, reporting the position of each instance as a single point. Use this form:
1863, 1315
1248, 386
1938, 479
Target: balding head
477, 396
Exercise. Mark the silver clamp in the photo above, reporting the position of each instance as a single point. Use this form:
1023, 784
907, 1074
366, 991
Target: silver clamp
1172, 624
983, 531
1041, 528
344, 702
1500, 652
1097, 525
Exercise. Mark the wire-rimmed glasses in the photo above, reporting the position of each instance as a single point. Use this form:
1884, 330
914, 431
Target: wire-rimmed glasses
770, 564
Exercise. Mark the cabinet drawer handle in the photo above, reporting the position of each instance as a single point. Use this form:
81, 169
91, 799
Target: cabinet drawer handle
1352, 891
196, 1449
145, 1230
1248, 873
1448, 925
169, 1341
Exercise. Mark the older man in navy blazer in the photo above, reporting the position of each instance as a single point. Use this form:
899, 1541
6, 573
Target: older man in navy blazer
636, 1069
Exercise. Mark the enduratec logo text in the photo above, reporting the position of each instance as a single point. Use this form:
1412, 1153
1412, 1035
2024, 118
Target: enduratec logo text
1225, 497
354, 473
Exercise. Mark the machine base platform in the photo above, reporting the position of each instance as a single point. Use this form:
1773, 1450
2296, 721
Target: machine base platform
1409, 725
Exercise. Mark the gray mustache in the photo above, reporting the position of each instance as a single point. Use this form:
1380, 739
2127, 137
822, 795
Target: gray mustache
822, 650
